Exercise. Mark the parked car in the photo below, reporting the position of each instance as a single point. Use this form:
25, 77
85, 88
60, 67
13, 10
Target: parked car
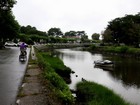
10, 43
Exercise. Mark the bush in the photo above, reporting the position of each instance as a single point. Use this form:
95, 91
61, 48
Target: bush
123, 49
92, 46
118, 49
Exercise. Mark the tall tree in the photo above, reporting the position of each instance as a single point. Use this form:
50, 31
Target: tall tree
7, 4
125, 30
84, 38
75, 33
31, 30
80, 33
70, 33
95, 36
107, 37
9, 27
55, 32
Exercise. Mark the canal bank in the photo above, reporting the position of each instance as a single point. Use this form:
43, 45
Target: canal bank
124, 51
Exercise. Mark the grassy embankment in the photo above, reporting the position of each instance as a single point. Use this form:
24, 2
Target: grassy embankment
88, 93
122, 50
54, 71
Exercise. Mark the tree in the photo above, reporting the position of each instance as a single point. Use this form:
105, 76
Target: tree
95, 36
125, 30
55, 32
9, 27
107, 37
70, 33
31, 30
84, 38
77, 34
28, 29
7, 4
80, 33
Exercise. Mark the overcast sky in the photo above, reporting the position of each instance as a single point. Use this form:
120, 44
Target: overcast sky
91, 16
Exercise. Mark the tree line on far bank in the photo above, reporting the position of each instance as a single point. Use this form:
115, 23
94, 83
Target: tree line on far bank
11, 30
124, 30
53, 35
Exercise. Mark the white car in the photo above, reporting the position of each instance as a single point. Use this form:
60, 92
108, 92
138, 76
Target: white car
10, 43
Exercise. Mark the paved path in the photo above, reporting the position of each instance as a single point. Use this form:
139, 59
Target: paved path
32, 91
11, 74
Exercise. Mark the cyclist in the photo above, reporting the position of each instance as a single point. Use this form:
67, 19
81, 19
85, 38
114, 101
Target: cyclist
23, 48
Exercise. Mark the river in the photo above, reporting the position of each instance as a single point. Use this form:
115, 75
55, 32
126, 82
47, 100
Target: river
123, 78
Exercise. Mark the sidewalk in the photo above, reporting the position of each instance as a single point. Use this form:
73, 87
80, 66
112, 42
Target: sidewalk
32, 91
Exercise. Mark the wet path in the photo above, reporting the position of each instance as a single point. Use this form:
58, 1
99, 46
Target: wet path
11, 74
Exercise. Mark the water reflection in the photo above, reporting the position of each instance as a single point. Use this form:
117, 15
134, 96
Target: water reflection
71, 55
123, 79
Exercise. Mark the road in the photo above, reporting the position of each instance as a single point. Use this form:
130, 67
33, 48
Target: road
11, 74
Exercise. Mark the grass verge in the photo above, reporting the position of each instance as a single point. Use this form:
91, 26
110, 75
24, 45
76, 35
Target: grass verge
50, 66
90, 93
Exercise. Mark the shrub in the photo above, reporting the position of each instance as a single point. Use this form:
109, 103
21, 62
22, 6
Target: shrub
123, 49
92, 46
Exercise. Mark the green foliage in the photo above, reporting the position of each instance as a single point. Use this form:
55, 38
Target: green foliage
30, 35
107, 36
91, 93
55, 32
126, 50
7, 4
124, 30
32, 31
123, 49
117, 49
70, 33
135, 51
57, 64
109, 48
23, 37
9, 27
93, 46
60, 87
75, 33
30, 39
84, 39
95, 36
